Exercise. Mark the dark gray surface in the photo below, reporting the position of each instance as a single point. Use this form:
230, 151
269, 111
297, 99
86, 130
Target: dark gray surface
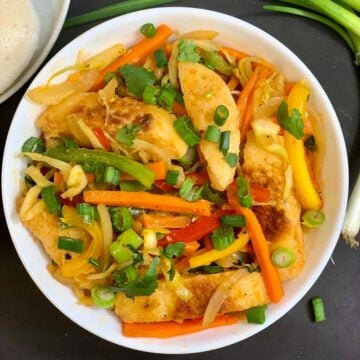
32, 328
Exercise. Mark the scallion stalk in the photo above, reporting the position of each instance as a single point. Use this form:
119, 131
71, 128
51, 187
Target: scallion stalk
318, 308
70, 244
102, 297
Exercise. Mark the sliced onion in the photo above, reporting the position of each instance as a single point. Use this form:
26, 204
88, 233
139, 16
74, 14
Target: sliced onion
107, 95
207, 45
30, 199
152, 150
37, 209
220, 295
76, 182
173, 65
106, 227
200, 35
37, 176
95, 143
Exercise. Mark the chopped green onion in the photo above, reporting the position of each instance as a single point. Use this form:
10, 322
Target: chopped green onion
68, 143
109, 76
221, 114
132, 185
148, 30
189, 158
172, 177
212, 133
119, 8
150, 95
211, 269
51, 199
318, 308
185, 128
102, 297
244, 192
256, 314
224, 142
70, 244
233, 220
160, 58
99, 172
127, 134
131, 238
166, 98
283, 257
210, 194
188, 191
94, 262
34, 145
111, 175
313, 219
125, 275
121, 218
86, 212
222, 237
89, 165
310, 143
232, 159
120, 252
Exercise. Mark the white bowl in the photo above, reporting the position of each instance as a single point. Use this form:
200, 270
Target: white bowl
235, 33
52, 15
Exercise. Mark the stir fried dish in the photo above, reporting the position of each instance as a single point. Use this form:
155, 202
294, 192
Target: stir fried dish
173, 182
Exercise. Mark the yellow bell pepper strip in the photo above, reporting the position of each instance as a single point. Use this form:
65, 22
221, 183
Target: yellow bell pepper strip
213, 255
81, 265
304, 187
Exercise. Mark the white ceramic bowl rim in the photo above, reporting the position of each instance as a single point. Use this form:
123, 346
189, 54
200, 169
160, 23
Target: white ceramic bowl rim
96, 321
40, 54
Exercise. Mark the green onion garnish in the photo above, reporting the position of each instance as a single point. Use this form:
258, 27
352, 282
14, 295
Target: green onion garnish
111, 175
109, 76
127, 134
215, 196
33, 144
222, 237
166, 98
160, 58
172, 177
120, 252
189, 158
125, 275
150, 95
244, 192
232, 159
99, 172
121, 218
283, 257
185, 128
310, 143
148, 30
130, 238
233, 220
220, 115
68, 143
211, 269
102, 297
132, 185
70, 244
94, 262
224, 142
51, 200
256, 314
318, 308
86, 212
313, 219
89, 165
212, 133
189, 192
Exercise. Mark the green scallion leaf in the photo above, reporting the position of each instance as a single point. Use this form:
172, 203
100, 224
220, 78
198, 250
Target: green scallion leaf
172, 177
111, 175
103, 297
221, 114
318, 308
160, 58
51, 199
70, 244
127, 134
256, 314
86, 212
222, 237
313, 219
121, 218
224, 142
150, 95
215, 196
283, 257
244, 192
185, 128
148, 30
232, 159
213, 134
233, 220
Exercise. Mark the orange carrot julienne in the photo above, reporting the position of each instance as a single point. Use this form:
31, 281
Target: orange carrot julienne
169, 329
233, 83
191, 247
151, 221
58, 178
268, 271
135, 54
168, 49
147, 200
238, 55
158, 167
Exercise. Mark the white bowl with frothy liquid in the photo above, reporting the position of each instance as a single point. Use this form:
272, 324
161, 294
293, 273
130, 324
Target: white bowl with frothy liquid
28, 31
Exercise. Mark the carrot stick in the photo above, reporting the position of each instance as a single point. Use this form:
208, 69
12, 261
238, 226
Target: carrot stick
238, 55
268, 271
191, 247
179, 109
58, 178
169, 329
233, 83
135, 54
158, 167
245, 93
147, 200
163, 221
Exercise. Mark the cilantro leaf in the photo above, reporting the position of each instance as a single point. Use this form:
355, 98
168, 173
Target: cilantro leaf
174, 250
188, 51
127, 134
137, 79
294, 123
144, 286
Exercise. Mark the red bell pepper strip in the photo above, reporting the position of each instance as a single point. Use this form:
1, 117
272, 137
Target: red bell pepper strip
162, 185
99, 133
200, 178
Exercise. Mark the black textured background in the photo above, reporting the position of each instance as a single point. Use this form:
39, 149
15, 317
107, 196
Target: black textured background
31, 327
